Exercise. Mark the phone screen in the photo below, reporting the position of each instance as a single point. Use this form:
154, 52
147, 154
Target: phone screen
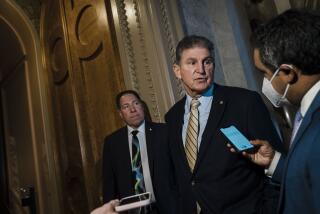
134, 198
237, 139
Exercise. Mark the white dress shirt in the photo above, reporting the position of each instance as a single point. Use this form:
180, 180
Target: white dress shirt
141, 135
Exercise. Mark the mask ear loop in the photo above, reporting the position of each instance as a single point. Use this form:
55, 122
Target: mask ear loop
274, 75
288, 85
285, 91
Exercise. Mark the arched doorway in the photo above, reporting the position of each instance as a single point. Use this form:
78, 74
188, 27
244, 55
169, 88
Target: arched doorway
27, 181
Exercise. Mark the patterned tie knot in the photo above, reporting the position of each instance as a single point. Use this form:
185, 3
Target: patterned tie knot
134, 132
297, 121
298, 117
195, 103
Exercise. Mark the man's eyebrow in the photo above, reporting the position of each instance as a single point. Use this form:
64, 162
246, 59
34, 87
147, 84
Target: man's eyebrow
191, 58
194, 58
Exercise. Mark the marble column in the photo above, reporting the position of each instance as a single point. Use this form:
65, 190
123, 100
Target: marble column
219, 21
195, 17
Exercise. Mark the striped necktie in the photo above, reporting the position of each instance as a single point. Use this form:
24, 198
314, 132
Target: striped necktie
137, 165
191, 147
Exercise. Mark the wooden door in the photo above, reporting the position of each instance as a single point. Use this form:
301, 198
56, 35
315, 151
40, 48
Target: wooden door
84, 75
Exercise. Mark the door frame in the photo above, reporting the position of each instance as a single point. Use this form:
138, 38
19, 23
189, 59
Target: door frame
41, 124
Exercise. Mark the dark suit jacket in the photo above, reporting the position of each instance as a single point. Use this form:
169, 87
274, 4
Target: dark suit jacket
222, 182
118, 181
300, 191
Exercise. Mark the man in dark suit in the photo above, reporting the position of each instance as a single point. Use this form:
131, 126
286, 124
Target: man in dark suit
287, 53
135, 157
210, 179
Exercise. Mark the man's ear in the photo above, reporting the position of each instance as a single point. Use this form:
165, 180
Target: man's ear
176, 69
120, 114
290, 73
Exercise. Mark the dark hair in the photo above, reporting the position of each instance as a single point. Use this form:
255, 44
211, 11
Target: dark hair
118, 97
193, 41
293, 37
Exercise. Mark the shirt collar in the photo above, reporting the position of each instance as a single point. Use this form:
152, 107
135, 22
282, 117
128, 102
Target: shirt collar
204, 99
141, 128
209, 92
309, 97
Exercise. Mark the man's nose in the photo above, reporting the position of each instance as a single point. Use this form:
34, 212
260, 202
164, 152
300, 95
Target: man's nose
132, 109
200, 68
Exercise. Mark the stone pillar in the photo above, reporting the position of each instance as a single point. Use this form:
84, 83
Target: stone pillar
195, 17
221, 22
147, 34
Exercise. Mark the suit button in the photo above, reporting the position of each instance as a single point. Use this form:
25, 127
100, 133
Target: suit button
193, 183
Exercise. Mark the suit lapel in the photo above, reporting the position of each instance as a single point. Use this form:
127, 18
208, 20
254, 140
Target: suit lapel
125, 159
312, 114
177, 136
216, 112
315, 106
150, 145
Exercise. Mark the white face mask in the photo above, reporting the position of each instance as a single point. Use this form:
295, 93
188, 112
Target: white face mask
274, 97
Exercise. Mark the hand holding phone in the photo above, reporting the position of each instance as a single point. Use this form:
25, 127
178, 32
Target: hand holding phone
134, 201
239, 142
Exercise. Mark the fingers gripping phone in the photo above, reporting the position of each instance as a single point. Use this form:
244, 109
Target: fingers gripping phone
134, 201
239, 142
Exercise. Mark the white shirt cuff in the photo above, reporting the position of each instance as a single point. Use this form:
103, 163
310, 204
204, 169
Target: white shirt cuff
269, 172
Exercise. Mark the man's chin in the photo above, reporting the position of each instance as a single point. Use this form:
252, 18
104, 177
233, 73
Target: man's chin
201, 88
136, 124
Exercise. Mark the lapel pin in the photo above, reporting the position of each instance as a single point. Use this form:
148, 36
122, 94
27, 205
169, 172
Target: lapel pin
150, 129
221, 102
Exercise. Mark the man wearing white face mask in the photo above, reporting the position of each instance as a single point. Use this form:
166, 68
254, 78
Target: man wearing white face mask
287, 52
274, 97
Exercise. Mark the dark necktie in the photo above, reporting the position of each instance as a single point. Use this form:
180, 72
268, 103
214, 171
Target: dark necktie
137, 165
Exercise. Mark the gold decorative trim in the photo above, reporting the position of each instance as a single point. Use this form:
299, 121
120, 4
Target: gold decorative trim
168, 32
153, 98
170, 43
125, 31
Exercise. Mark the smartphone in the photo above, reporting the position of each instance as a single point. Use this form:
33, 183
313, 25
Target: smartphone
133, 202
239, 142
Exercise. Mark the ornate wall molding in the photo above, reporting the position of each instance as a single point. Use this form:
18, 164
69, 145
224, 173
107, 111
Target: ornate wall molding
146, 66
125, 31
167, 30
171, 43
147, 34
